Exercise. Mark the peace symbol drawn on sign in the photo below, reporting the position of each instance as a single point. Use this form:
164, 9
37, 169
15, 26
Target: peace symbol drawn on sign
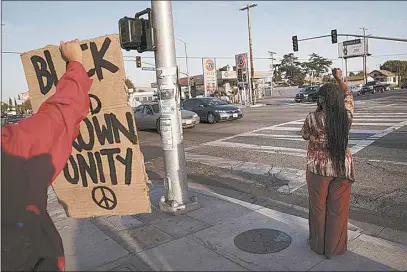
106, 198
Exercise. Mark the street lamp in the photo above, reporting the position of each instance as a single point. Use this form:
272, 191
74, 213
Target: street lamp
186, 62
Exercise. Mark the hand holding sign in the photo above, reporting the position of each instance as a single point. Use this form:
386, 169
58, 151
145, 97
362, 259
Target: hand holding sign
71, 51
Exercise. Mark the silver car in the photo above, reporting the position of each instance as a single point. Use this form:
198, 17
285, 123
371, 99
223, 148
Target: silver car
148, 117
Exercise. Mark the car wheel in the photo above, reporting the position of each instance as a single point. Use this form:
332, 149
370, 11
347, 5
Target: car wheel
158, 126
211, 118
374, 91
359, 93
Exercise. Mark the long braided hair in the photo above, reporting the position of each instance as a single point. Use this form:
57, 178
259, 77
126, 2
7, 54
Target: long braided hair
336, 124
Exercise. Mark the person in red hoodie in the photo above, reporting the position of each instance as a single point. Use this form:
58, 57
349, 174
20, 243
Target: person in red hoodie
33, 153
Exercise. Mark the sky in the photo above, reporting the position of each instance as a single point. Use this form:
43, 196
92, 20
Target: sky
211, 29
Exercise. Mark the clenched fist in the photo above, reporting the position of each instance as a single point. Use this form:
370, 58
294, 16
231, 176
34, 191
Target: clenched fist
71, 51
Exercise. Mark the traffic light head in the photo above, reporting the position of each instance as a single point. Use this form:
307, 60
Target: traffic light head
136, 33
334, 36
295, 43
138, 61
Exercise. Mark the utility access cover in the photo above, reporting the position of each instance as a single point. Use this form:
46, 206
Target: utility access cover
262, 241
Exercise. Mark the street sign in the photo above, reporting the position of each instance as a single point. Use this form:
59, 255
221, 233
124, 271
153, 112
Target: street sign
352, 48
148, 68
210, 75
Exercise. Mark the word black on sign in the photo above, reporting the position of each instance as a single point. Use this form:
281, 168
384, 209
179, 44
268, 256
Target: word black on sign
46, 73
104, 197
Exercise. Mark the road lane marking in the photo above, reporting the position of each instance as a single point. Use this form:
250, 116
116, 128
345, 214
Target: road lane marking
295, 177
357, 148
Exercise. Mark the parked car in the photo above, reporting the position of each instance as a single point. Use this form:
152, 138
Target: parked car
404, 85
148, 117
372, 87
309, 94
212, 110
356, 89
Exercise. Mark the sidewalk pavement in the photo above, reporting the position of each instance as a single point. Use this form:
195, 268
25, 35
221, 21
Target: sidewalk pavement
204, 240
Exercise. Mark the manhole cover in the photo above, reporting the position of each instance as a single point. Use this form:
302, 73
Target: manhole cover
262, 241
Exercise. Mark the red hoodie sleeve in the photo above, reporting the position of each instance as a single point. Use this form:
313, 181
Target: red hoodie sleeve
56, 124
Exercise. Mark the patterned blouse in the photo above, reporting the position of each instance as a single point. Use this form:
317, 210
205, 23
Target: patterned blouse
318, 161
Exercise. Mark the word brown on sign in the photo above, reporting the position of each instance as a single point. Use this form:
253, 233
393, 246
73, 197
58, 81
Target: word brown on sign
105, 174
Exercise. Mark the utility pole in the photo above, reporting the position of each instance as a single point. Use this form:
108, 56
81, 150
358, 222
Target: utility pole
248, 7
272, 70
177, 200
364, 54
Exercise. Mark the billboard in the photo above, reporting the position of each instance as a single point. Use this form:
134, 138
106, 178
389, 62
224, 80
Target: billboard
210, 75
352, 48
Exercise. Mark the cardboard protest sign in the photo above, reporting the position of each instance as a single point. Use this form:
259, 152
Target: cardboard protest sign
105, 174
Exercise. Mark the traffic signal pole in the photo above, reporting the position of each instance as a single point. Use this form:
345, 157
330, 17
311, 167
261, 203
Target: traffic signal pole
178, 200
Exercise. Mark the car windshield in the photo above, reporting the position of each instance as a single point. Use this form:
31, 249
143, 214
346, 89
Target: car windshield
308, 90
213, 101
13, 117
156, 108
370, 83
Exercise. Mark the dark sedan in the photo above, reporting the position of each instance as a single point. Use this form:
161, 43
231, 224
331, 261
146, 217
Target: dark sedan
212, 110
309, 94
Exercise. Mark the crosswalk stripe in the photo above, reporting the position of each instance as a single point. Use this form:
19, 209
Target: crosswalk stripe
354, 131
359, 124
378, 119
355, 149
295, 177
254, 147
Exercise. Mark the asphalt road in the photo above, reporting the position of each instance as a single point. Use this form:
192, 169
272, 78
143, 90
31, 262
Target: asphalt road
261, 158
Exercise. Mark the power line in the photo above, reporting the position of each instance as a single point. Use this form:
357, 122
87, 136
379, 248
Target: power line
228, 58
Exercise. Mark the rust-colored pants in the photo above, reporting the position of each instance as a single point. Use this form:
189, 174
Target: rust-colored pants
328, 214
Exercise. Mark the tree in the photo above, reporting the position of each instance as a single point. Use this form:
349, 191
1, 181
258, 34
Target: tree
317, 64
129, 84
4, 107
292, 69
399, 67
277, 76
351, 74
27, 104
10, 102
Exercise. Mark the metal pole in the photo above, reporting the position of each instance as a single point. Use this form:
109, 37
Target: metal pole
346, 71
170, 120
186, 62
364, 55
346, 67
272, 70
